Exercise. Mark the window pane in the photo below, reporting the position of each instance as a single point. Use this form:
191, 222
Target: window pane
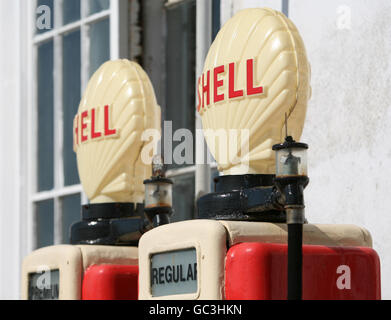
71, 11
183, 198
45, 116
214, 174
216, 4
180, 62
71, 213
71, 100
45, 223
99, 5
100, 44
44, 16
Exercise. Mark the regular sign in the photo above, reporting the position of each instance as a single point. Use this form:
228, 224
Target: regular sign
174, 272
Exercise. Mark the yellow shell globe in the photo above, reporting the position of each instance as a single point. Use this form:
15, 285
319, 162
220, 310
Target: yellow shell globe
258, 73
118, 105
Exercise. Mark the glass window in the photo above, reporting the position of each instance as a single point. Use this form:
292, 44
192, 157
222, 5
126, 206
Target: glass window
169, 57
71, 213
98, 5
180, 64
71, 100
45, 116
44, 223
58, 82
71, 11
180, 100
100, 44
216, 5
183, 199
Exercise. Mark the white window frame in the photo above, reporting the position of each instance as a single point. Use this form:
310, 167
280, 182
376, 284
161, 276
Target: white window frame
203, 42
117, 13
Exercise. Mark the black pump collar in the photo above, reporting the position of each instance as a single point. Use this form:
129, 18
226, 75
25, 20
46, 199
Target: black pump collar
242, 198
111, 211
109, 224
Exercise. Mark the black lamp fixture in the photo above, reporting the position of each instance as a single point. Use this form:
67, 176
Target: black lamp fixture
291, 179
158, 195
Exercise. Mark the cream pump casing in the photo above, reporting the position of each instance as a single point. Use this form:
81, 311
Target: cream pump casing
118, 106
279, 64
72, 262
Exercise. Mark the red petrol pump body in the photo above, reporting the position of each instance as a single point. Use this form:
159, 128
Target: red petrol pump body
257, 271
110, 282
245, 260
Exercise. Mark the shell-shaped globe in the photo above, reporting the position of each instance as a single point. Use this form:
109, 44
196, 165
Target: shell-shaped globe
118, 105
258, 75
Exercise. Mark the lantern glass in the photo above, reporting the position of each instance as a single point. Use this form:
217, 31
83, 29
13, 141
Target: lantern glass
158, 194
291, 162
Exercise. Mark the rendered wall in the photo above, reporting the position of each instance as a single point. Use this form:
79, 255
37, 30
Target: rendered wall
349, 115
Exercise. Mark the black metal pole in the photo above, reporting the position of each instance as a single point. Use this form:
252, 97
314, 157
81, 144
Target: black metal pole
295, 261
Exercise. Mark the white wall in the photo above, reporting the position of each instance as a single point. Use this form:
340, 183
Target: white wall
348, 121
11, 231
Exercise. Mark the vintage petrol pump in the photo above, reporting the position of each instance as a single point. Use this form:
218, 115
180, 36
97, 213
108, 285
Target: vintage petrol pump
118, 106
251, 240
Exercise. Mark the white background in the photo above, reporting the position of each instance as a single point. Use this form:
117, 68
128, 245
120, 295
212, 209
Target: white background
347, 124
